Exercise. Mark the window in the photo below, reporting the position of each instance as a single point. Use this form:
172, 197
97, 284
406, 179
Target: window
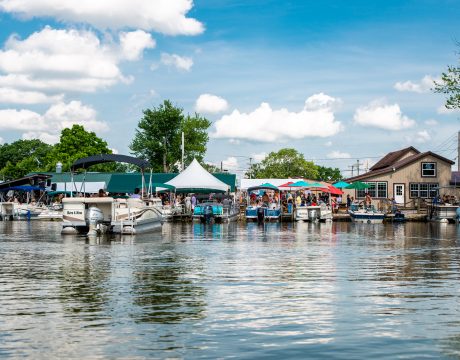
423, 190
429, 169
375, 190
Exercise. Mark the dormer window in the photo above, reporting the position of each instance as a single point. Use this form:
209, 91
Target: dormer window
428, 169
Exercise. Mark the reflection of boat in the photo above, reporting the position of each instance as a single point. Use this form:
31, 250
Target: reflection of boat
366, 215
212, 211
320, 212
107, 214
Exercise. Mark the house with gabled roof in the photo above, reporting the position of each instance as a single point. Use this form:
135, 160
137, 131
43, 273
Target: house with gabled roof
405, 175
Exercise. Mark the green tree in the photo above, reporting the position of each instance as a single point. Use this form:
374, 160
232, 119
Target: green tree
75, 143
450, 85
158, 137
329, 174
22, 157
282, 164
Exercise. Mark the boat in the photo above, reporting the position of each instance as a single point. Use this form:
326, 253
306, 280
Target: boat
263, 211
100, 215
366, 214
444, 212
211, 211
321, 212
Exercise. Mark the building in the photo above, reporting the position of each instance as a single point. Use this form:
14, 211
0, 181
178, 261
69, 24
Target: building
405, 175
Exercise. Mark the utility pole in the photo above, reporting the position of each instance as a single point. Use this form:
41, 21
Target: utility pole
352, 167
250, 164
183, 148
458, 152
164, 155
357, 165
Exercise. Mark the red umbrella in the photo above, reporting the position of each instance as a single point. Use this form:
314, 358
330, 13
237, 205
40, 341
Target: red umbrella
334, 191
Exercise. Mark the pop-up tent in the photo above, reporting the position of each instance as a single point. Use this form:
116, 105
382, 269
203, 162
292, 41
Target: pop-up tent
195, 179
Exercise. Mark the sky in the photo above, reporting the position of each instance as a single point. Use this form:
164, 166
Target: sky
340, 81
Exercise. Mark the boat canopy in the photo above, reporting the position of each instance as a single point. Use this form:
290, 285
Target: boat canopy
264, 186
86, 162
33, 180
22, 188
195, 179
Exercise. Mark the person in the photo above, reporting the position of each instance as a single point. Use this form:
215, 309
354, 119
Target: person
368, 201
335, 206
188, 204
314, 201
393, 206
298, 200
339, 199
193, 201
136, 194
101, 193
289, 203
349, 201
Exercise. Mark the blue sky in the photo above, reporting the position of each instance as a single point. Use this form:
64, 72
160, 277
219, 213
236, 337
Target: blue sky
352, 77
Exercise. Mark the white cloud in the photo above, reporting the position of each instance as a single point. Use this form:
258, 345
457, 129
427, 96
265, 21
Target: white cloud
268, 125
445, 111
388, 117
234, 141
164, 16
338, 155
419, 138
134, 43
231, 163
48, 126
13, 96
259, 156
322, 101
41, 62
328, 143
424, 85
179, 62
207, 103
431, 122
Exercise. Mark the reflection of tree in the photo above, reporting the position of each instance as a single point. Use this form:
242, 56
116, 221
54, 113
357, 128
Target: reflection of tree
83, 284
164, 293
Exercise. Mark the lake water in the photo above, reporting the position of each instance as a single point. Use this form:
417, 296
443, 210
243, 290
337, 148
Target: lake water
338, 290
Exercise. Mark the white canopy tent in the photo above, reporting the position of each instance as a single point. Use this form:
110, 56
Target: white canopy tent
196, 179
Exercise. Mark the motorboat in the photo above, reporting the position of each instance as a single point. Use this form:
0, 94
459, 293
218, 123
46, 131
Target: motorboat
444, 212
210, 211
264, 211
366, 214
100, 215
321, 212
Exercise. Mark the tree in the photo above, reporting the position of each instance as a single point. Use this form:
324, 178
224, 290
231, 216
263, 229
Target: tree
158, 137
75, 143
282, 164
450, 84
329, 174
22, 157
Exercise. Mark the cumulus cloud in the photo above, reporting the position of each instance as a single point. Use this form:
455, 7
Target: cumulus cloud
445, 111
338, 155
179, 62
41, 61
322, 101
388, 117
207, 103
48, 126
259, 156
164, 16
134, 43
13, 96
420, 137
268, 125
424, 85
231, 163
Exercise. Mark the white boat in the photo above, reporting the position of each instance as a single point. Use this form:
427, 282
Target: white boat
366, 214
320, 212
265, 211
99, 215
444, 212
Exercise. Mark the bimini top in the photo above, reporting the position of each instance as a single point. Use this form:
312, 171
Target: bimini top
264, 186
86, 162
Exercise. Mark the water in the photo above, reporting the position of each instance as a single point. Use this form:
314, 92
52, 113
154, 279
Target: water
337, 290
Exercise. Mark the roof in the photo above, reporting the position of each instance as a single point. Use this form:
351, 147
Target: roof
196, 179
86, 162
392, 157
31, 179
398, 165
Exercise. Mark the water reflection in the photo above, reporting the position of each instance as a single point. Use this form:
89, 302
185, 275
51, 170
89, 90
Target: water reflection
191, 290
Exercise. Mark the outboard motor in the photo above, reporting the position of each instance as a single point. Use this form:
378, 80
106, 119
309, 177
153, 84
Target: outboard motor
94, 219
208, 214
260, 215
457, 212
312, 215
